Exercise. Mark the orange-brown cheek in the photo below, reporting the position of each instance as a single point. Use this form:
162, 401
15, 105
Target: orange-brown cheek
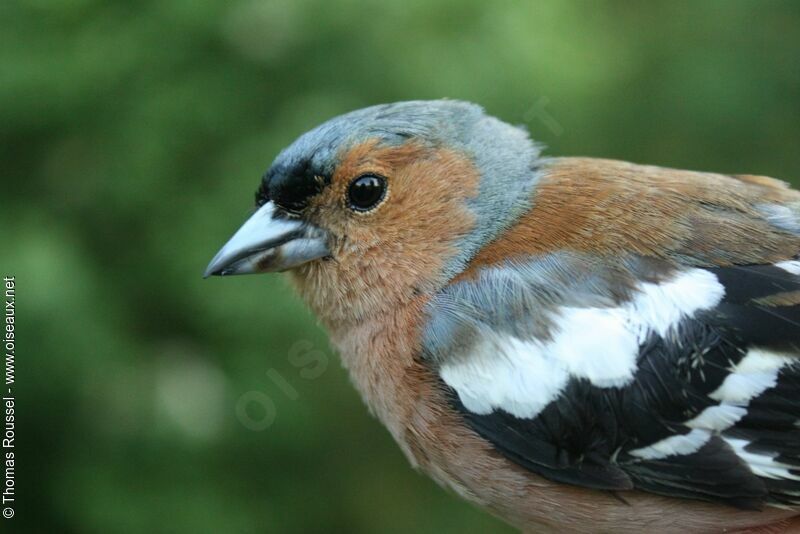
399, 249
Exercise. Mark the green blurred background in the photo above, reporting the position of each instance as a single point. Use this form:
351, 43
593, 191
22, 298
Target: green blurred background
132, 138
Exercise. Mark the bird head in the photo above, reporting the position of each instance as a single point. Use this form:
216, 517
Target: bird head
383, 204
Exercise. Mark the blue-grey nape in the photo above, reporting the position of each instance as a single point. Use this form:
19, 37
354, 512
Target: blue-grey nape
504, 156
783, 216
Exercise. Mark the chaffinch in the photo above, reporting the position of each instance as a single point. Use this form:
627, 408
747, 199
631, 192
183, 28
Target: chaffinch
575, 344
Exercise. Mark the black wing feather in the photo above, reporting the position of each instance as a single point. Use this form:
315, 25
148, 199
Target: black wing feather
585, 437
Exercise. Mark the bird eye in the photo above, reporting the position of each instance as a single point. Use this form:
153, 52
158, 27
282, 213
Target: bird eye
366, 192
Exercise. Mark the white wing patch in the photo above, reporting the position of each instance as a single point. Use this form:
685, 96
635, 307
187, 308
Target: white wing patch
505, 372
661, 306
753, 375
791, 266
598, 344
681, 444
760, 464
718, 418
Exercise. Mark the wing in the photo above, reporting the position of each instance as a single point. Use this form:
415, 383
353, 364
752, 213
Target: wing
631, 373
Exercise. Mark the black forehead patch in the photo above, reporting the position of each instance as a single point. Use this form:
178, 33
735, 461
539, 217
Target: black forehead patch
292, 186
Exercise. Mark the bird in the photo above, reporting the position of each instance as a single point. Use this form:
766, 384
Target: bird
573, 344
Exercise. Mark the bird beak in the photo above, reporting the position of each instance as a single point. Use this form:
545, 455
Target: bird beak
267, 243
